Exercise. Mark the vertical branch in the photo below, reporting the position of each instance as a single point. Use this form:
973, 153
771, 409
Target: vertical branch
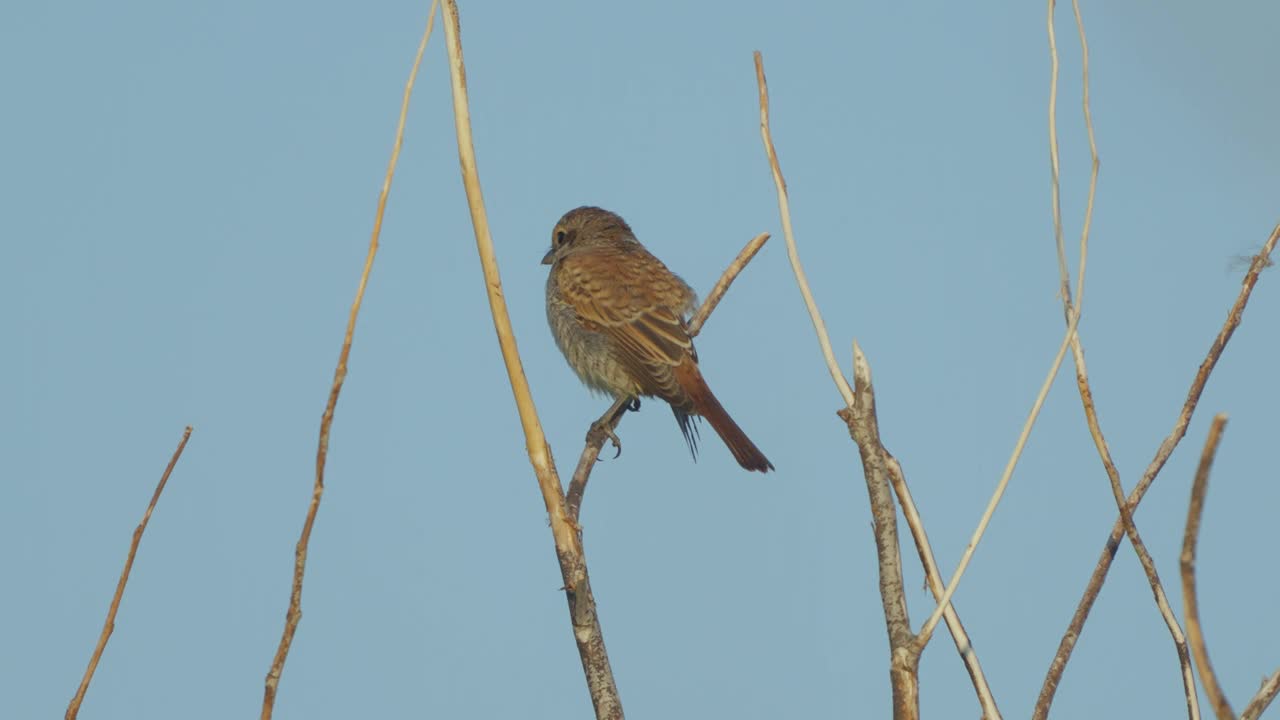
904, 652
784, 209
294, 614
1195, 510
109, 626
1082, 374
859, 415
880, 470
934, 579
573, 567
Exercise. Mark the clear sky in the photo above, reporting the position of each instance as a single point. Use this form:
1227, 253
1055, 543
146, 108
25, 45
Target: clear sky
188, 191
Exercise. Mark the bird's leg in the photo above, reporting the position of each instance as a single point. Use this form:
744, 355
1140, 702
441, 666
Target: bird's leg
603, 428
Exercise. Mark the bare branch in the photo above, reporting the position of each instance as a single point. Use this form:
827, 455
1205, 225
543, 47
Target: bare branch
934, 579
864, 428
1234, 316
784, 209
726, 279
73, 709
926, 630
294, 613
573, 566
1082, 373
1191, 605
1258, 705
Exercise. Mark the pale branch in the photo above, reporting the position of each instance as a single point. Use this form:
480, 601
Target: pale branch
934, 579
726, 279
904, 652
926, 630
294, 613
793, 254
1258, 705
109, 626
1071, 310
1190, 602
859, 415
587, 632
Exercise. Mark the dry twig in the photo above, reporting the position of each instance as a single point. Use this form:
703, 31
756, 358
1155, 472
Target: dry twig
1094, 587
1270, 688
294, 613
904, 646
1082, 373
934, 579
1195, 509
73, 709
573, 566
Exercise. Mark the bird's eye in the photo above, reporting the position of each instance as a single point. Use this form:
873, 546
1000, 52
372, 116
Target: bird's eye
560, 237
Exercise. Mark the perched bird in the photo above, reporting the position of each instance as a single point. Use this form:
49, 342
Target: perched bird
618, 315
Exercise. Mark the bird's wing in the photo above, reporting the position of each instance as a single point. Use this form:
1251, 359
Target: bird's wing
630, 296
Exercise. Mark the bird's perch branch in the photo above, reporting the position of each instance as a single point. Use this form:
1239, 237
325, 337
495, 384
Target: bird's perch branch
726, 279
294, 614
109, 626
573, 566
1191, 606
601, 428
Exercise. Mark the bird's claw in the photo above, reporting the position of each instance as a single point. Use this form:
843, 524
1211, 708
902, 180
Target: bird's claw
606, 429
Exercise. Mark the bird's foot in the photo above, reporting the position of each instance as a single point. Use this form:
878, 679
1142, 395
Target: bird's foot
604, 429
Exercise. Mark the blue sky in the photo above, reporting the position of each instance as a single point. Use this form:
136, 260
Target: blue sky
189, 190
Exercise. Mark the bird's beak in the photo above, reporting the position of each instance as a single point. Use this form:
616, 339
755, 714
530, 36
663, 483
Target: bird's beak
549, 257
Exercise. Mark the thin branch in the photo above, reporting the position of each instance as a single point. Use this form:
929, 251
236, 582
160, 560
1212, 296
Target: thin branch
1082, 373
934, 579
294, 613
726, 279
1258, 705
784, 209
601, 429
927, 629
1190, 603
573, 566
73, 709
1234, 316
599, 432
878, 466
1073, 314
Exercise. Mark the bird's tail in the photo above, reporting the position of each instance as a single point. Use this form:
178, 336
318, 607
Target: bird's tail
705, 404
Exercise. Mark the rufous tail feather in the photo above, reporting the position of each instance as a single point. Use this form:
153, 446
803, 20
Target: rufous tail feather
706, 405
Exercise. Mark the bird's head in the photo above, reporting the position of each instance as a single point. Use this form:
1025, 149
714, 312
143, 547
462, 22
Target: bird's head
583, 228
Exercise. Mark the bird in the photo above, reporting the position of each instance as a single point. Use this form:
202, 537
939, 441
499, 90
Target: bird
619, 317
